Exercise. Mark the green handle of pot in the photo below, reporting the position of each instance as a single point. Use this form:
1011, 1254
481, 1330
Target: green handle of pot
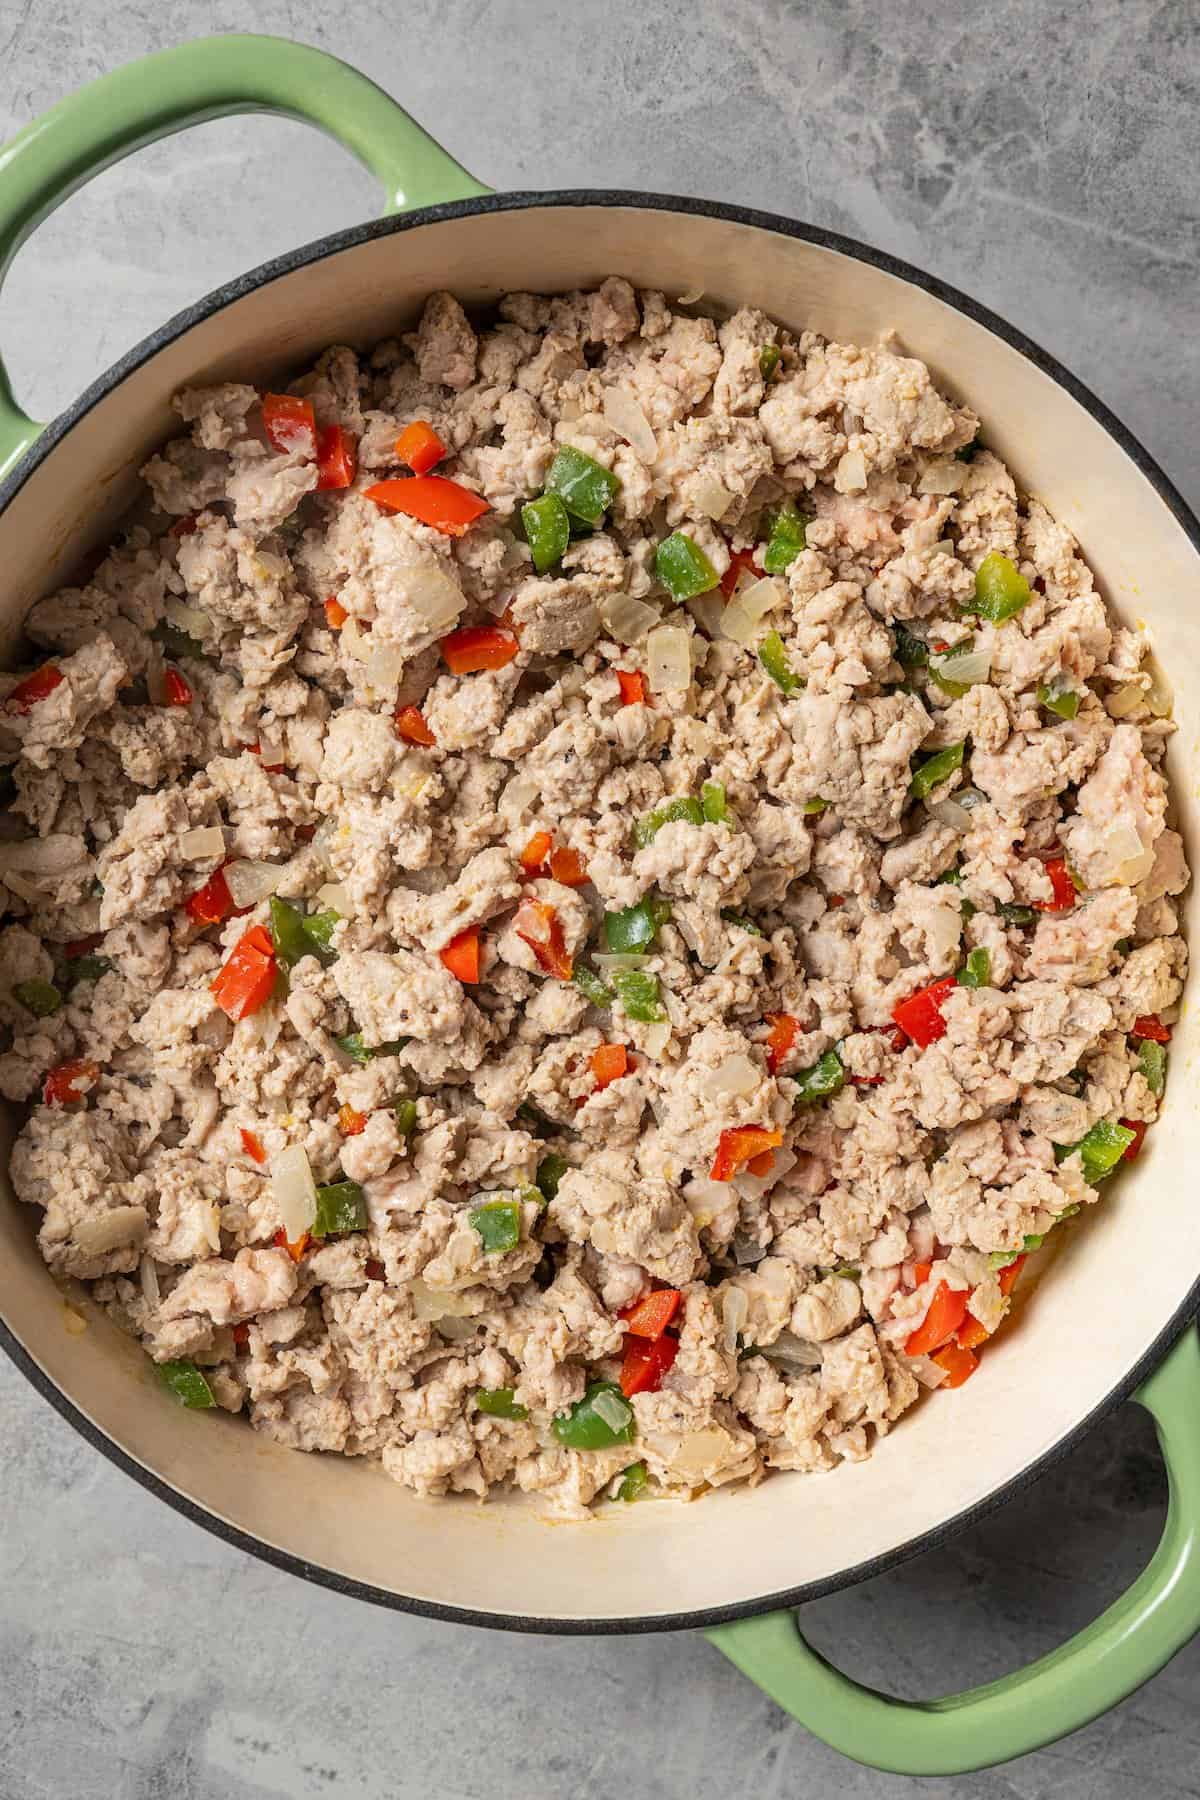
1096, 1670
207, 79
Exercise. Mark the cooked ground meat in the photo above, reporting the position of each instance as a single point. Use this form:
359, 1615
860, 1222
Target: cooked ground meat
331, 808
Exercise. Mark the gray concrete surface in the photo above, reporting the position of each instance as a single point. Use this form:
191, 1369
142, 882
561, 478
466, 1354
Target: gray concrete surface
1040, 156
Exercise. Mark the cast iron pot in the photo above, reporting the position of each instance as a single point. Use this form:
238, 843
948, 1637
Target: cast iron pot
1104, 1316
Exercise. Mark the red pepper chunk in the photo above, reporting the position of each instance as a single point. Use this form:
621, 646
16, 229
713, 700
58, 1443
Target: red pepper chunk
566, 866
296, 1250
81, 946
446, 505
374, 1270
252, 1145
67, 1085
784, 1032
650, 1316
241, 1335
1151, 1026
213, 903
335, 614
971, 1333
645, 1363
35, 687
738, 1146
921, 1273
947, 1310
959, 1363
411, 726
290, 424
247, 979
738, 560
920, 1016
535, 852
337, 458
1008, 1276
351, 1122
761, 1164
176, 691
632, 684
478, 647
608, 1063
1065, 891
1138, 1128
461, 955
420, 447
539, 926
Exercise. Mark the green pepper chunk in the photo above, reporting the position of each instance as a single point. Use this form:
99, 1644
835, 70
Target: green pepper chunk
601, 1419
683, 568
970, 451
638, 994
296, 936
583, 485
187, 1384
1001, 591
934, 770
547, 530
341, 1206
319, 926
177, 643
635, 928
591, 986
406, 1116
912, 652
732, 917
41, 998
1058, 698
812, 809
498, 1403
1032, 1241
712, 802
550, 1172
635, 1480
822, 1079
955, 689
977, 972
773, 657
87, 968
683, 806
1015, 915
952, 875
768, 360
354, 1047
1152, 1065
1100, 1151
786, 539
498, 1223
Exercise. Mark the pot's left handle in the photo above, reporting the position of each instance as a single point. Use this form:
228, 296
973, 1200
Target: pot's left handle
1096, 1670
203, 80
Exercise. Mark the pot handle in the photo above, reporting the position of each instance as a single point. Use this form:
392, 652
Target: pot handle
207, 79
1077, 1682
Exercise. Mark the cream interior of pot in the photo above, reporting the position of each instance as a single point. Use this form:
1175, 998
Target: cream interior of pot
1081, 1326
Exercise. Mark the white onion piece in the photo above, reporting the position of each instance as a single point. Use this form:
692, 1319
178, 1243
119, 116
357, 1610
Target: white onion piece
1160, 698
793, 1352
110, 1230
669, 659
337, 896
192, 619
517, 796
711, 1203
710, 497
24, 890
1126, 700
708, 610
249, 882
698, 1453
323, 838
628, 619
971, 797
442, 1303
746, 1250
270, 752
630, 422
383, 668
735, 1310
971, 667
748, 608
457, 1329
148, 1273
295, 1191
431, 592
622, 959
736, 1075
614, 1409
927, 1372
753, 1187
949, 812
850, 476
353, 640
655, 1038
943, 476
203, 841
691, 297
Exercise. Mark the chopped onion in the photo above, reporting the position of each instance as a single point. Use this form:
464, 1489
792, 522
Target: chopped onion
1126, 700
943, 476
614, 1409
792, 1352
518, 795
148, 1271
927, 1372
295, 1191
735, 1310
623, 959
654, 1039
628, 619
753, 1187
112, 1230
711, 1203
747, 1250
457, 1329
691, 297
748, 608
24, 890
191, 619
203, 841
336, 895
971, 797
949, 812
708, 610
972, 666
700, 1450
736, 1075
435, 1304
249, 882
630, 422
383, 668
270, 752
710, 497
431, 593
850, 476
669, 659
353, 641
324, 837
1160, 699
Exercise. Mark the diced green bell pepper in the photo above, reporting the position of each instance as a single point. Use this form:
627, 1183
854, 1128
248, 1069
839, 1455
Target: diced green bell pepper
591, 986
768, 360
911, 651
1015, 915
712, 802
638, 993
547, 530
550, 1172
732, 917
601, 1419
177, 643
296, 935
977, 971
935, 769
498, 1403
1152, 1065
341, 1206
822, 1079
786, 539
635, 1480
354, 1047
634, 928
406, 1116
87, 968
584, 486
1100, 1151
955, 689
187, 1384
970, 451
683, 806
812, 809
952, 875
319, 926
498, 1223
1001, 591
683, 568
1058, 697
41, 998
773, 657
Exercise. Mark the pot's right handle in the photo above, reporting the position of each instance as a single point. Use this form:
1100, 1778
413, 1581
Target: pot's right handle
1036, 1706
206, 79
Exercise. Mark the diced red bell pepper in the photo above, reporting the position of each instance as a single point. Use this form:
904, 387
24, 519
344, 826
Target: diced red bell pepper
296, 1250
1138, 1128
184, 526
420, 447
920, 1016
461, 955
645, 1363
411, 726
176, 691
535, 852
1008, 1276
337, 458
539, 926
947, 1311
351, 1122
971, 1333
633, 687
68, 1084
1065, 891
247, 979
253, 1146
290, 423
608, 1063
241, 1335
566, 866
959, 1363
82, 946
35, 687
738, 560
446, 505
784, 1032
921, 1273
1151, 1026
650, 1316
335, 614
478, 647
374, 1270
213, 903
762, 1164
738, 1145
